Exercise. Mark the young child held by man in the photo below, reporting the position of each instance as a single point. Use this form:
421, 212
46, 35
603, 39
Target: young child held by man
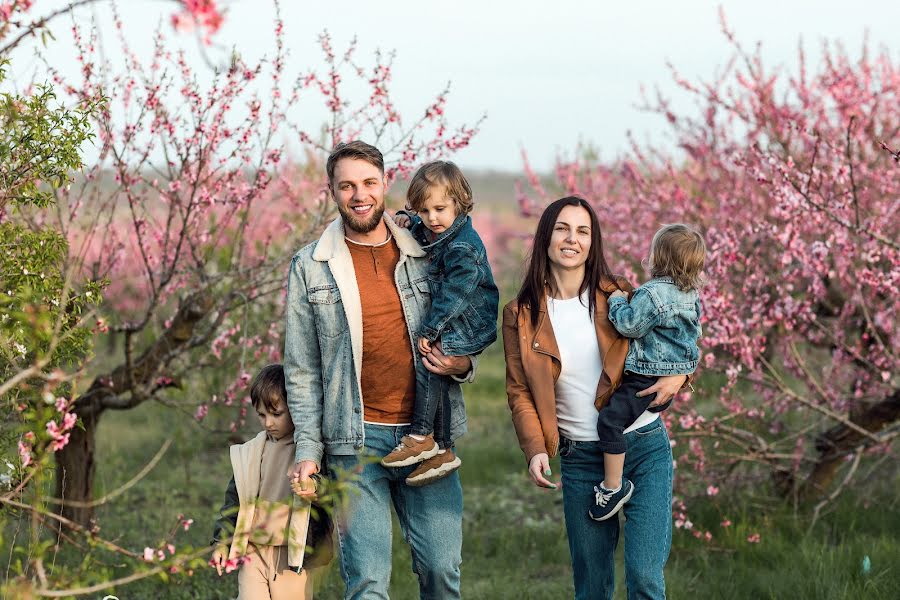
463, 314
269, 529
662, 321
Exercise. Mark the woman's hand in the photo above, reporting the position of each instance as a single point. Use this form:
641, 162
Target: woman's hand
539, 470
664, 388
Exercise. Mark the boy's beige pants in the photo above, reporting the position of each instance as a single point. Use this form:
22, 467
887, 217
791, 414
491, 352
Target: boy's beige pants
267, 576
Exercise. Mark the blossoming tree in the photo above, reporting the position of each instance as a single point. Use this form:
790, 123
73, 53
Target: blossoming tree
190, 214
790, 181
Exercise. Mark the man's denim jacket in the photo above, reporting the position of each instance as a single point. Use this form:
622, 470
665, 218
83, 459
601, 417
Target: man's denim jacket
323, 341
464, 298
663, 323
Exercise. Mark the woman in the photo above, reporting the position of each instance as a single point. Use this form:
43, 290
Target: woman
563, 361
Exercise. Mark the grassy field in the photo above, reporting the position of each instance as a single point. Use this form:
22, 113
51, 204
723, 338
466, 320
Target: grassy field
514, 539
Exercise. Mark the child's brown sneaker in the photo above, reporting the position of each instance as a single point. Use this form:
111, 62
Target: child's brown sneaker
411, 451
434, 468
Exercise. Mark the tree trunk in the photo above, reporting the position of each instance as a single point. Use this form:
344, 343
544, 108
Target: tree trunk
835, 444
75, 465
126, 387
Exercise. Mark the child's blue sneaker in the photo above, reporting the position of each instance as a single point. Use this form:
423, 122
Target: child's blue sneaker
607, 503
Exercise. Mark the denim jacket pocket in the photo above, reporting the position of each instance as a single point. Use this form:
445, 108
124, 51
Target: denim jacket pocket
329, 310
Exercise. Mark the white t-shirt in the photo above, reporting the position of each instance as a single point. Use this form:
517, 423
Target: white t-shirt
582, 366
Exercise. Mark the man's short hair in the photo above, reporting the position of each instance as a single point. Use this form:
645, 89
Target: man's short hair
439, 174
356, 150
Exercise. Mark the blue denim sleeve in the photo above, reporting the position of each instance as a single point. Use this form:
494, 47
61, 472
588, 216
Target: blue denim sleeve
636, 318
699, 315
462, 278
303, 369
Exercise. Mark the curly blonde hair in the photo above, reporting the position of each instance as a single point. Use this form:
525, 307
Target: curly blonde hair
439, 173
678, 251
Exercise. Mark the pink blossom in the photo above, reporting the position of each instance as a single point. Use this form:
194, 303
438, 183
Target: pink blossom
712, 490
148, 554
753, 538
24, 453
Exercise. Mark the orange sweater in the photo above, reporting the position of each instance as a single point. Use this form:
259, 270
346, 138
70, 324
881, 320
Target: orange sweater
388, 373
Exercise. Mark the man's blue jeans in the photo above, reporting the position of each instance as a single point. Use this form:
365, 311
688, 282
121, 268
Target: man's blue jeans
430, 518
648, 515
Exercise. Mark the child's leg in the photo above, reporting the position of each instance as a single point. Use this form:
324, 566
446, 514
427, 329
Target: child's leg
613, 465
439, 385
445, 462
287, 584
428, 399
253, 576
623, 409
418, 445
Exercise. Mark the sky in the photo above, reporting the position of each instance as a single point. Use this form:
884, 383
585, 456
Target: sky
547, 75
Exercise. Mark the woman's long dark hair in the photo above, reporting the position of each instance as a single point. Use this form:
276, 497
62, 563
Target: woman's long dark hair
538, 273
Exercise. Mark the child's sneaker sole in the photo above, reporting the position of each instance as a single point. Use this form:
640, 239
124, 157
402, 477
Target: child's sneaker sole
615, 510
428, 473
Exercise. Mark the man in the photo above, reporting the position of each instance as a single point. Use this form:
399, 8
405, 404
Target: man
356, 298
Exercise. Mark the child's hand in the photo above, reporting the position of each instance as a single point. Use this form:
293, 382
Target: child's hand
219, 556
424, 345
402, 220
618, 294
307, 492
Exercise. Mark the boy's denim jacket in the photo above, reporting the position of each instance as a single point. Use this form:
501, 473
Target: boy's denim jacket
323, 341
663, 323
464, 298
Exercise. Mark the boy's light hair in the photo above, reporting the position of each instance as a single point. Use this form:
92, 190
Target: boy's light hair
439, 173
268, 387
678, 251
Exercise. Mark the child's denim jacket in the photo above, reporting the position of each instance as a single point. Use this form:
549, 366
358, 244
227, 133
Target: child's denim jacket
464, 298
663, 323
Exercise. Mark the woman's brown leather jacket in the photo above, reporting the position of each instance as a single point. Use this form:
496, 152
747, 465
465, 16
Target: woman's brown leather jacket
533, 366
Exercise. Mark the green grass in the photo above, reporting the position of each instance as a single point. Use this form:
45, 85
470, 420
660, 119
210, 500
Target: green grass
514, 538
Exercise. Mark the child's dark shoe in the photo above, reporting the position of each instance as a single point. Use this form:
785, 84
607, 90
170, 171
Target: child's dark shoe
607, 503
436, 467
411, 451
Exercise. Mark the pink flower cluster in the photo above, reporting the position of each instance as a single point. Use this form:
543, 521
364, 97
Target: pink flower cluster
59, 434
8, 7
199, 14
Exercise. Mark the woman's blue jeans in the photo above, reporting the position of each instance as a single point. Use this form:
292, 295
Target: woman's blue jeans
648, 515
430, 518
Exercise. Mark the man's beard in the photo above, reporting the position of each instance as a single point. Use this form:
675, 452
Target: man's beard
354, 223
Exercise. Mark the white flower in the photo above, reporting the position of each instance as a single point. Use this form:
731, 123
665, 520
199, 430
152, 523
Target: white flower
20, 349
